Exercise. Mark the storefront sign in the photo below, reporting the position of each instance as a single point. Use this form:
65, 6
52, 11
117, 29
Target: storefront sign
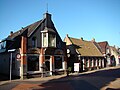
76, 67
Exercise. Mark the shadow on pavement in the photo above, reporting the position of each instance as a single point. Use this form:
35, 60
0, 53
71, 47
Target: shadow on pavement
7, 77
91, 81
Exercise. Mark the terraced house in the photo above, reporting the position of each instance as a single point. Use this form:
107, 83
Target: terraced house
115, 56
38, 47
105, 49
86, 53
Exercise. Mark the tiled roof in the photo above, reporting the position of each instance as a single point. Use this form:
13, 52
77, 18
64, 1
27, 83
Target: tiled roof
30, 29
86, 48
103, 46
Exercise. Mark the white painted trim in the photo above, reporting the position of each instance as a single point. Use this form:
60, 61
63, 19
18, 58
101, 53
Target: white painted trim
23, 54
33, 72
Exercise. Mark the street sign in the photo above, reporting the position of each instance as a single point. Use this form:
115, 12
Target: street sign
18, 56
11, 55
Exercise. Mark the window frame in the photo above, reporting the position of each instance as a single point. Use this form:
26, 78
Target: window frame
34, 42
47, 33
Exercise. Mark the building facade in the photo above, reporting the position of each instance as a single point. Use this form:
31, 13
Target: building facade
115, 56
38, 50
106, 51
85, 53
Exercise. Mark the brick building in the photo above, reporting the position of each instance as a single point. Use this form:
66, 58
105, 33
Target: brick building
38, 49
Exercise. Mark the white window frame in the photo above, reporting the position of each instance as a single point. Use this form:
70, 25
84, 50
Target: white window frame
43, 39
47, 37
50, 41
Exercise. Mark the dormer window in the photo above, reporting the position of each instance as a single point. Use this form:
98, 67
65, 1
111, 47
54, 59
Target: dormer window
52, 40
45, 39
34, 42
3, 45
48, 38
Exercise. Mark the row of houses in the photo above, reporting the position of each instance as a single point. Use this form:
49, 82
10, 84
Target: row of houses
37, 49
91, 54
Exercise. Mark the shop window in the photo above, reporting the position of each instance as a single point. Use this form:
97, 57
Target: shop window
87, 63
47, 64
34, 42
33, 63
90, 62
58, 62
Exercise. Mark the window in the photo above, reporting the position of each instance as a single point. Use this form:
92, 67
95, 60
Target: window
52, 40
87, 62
58, 62
0, 45
45, 43
3, 45
34, 42
48, 39
33, 63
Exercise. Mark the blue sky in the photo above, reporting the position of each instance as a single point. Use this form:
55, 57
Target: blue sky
99, 19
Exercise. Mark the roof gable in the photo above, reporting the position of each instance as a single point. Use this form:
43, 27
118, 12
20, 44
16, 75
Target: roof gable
103, 46
45, 22
31, 28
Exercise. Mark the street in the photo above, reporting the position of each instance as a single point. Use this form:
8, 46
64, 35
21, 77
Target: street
97, 80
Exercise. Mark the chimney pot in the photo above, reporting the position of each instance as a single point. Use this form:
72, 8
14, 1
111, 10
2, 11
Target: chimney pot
67, 35
81, 38
11, 33
93, 40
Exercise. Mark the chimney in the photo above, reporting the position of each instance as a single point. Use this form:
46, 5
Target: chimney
93, 40
47, 15
81, 38
47, 18
67, 35
11, 33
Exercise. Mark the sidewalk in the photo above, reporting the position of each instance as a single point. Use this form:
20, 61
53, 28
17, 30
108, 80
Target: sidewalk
33, 79
113, 84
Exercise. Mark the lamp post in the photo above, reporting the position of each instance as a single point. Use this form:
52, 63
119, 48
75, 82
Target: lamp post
11, 51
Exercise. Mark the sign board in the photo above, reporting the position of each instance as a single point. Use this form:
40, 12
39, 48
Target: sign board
76, 67
18, 56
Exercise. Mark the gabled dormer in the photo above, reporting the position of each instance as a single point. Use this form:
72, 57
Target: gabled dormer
48, 37
48, 34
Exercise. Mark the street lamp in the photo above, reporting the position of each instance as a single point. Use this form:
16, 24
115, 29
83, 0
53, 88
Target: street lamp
11, 50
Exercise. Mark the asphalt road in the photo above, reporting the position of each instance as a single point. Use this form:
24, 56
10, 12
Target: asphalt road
89, 81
